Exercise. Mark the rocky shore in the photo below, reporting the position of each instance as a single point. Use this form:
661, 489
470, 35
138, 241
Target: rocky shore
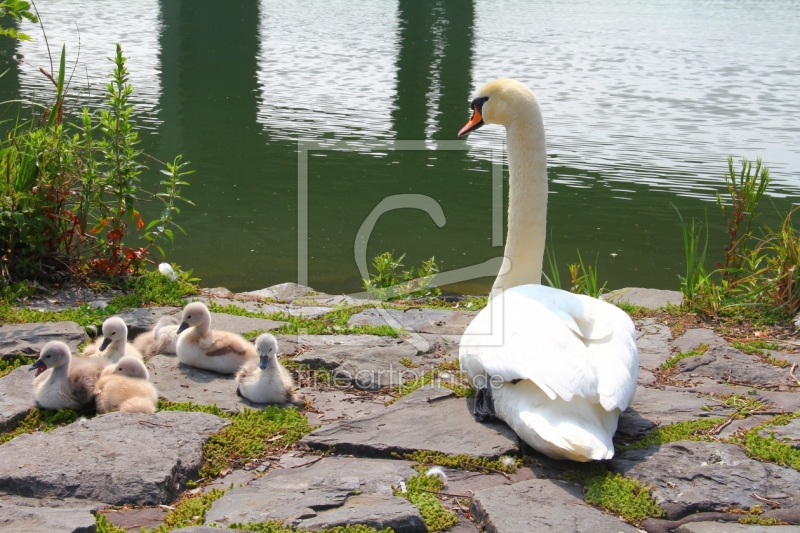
133, 467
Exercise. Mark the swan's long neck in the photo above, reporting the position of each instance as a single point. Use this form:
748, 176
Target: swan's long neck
527, 199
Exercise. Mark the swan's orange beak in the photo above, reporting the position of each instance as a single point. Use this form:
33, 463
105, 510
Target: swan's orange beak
474, 123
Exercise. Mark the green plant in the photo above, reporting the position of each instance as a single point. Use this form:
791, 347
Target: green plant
385, 284
426, 458
672, 361
408, 363
104, 525
622, 496
769, 449
696, 275
554, 279
19, 10
421, 492
755, 347
447, 374
40, 420
687, 430
274, 526
584, 278
154, 288
7, 365
250, 434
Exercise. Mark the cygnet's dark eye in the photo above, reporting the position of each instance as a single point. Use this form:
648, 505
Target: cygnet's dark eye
113, 333
47, 357
190, 316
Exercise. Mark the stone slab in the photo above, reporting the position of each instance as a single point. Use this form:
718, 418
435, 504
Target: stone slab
29, 339
733, 527
726, 364
287, 344
695, 337
284, 292
254, 306
369, 368
652, 341
177, 382
331, 405
334, 491
242, 324
431, 418
419, 320
647, 298
541, 506
135, 519
692, 476
16, 397
28, 515
653, 407
789, 434
117, 458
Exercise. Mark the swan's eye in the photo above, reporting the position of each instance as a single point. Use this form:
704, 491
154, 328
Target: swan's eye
47, 357
113, 333
189, 317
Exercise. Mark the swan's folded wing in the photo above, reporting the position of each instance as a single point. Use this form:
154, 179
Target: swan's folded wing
539, 345
224, 347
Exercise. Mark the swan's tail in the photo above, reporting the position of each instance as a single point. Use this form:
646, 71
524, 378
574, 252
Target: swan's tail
577, 430
137, 405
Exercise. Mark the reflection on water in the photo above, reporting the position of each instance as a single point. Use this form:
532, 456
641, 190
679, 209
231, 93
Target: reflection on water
642, 104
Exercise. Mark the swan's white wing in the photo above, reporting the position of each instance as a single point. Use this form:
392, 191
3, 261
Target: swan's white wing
536, 344
568, 345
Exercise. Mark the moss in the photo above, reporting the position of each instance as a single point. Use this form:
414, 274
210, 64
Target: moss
755, 347
463, 462
8, 365
251, 434
274, 526
332, 323
622, 496
447, 374
83, 315
408, 363
755, 519
688, 430
41, 420
769, 449
672, 361
189, 511
104, 525
421, 492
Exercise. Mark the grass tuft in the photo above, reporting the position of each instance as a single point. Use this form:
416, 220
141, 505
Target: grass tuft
41, 420
9, 365
769, 449
622, 496
249, 435
672, 361
427, 458
156, 289
447, 374
421, 492
688, 430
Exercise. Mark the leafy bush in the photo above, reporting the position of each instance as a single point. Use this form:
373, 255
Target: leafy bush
70, 196
385, 284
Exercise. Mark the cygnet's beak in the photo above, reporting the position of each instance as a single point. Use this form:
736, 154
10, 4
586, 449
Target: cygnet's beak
106, 343
474, 123
39, 366
184, 326
262, 362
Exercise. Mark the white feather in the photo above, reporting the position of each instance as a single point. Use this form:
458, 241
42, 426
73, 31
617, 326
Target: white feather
438, 471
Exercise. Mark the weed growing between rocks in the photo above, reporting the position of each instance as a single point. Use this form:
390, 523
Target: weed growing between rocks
189, 511
250, 435
616, 494
672, 361
41, 420
274, 526
427, 459
421, 491
769, 449
408, 363
157, 289
447, 374
688, 430
83, 315
104, 525
332, 323
7, 365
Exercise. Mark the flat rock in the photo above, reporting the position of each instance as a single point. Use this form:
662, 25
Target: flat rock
541, 506
652, 341
695, 337
29, 515
287, 344
242, 324
117, 458
790, 433
727, 364
177, 382
333, 405
334, 491
143, 319
369, 368
431, 418
653, 407
284, 292
418, 320
647, 298
135, 519
255, 306
29, 339
16, 397
733, 527
692, 476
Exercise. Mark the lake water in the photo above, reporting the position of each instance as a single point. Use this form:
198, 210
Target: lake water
643, 103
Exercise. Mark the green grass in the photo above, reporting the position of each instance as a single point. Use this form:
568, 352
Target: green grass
672, 361
332, 323
687, 430
8, 365
755, 348
421, 492
455, 382
83, 315
40, 420
622, 496
769, 449
248, 436
156, 289
274, 526
408, 363
426, 458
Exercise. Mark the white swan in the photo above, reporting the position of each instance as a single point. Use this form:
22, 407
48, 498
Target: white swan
564, 365
266, 381
114, 343
69, 382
